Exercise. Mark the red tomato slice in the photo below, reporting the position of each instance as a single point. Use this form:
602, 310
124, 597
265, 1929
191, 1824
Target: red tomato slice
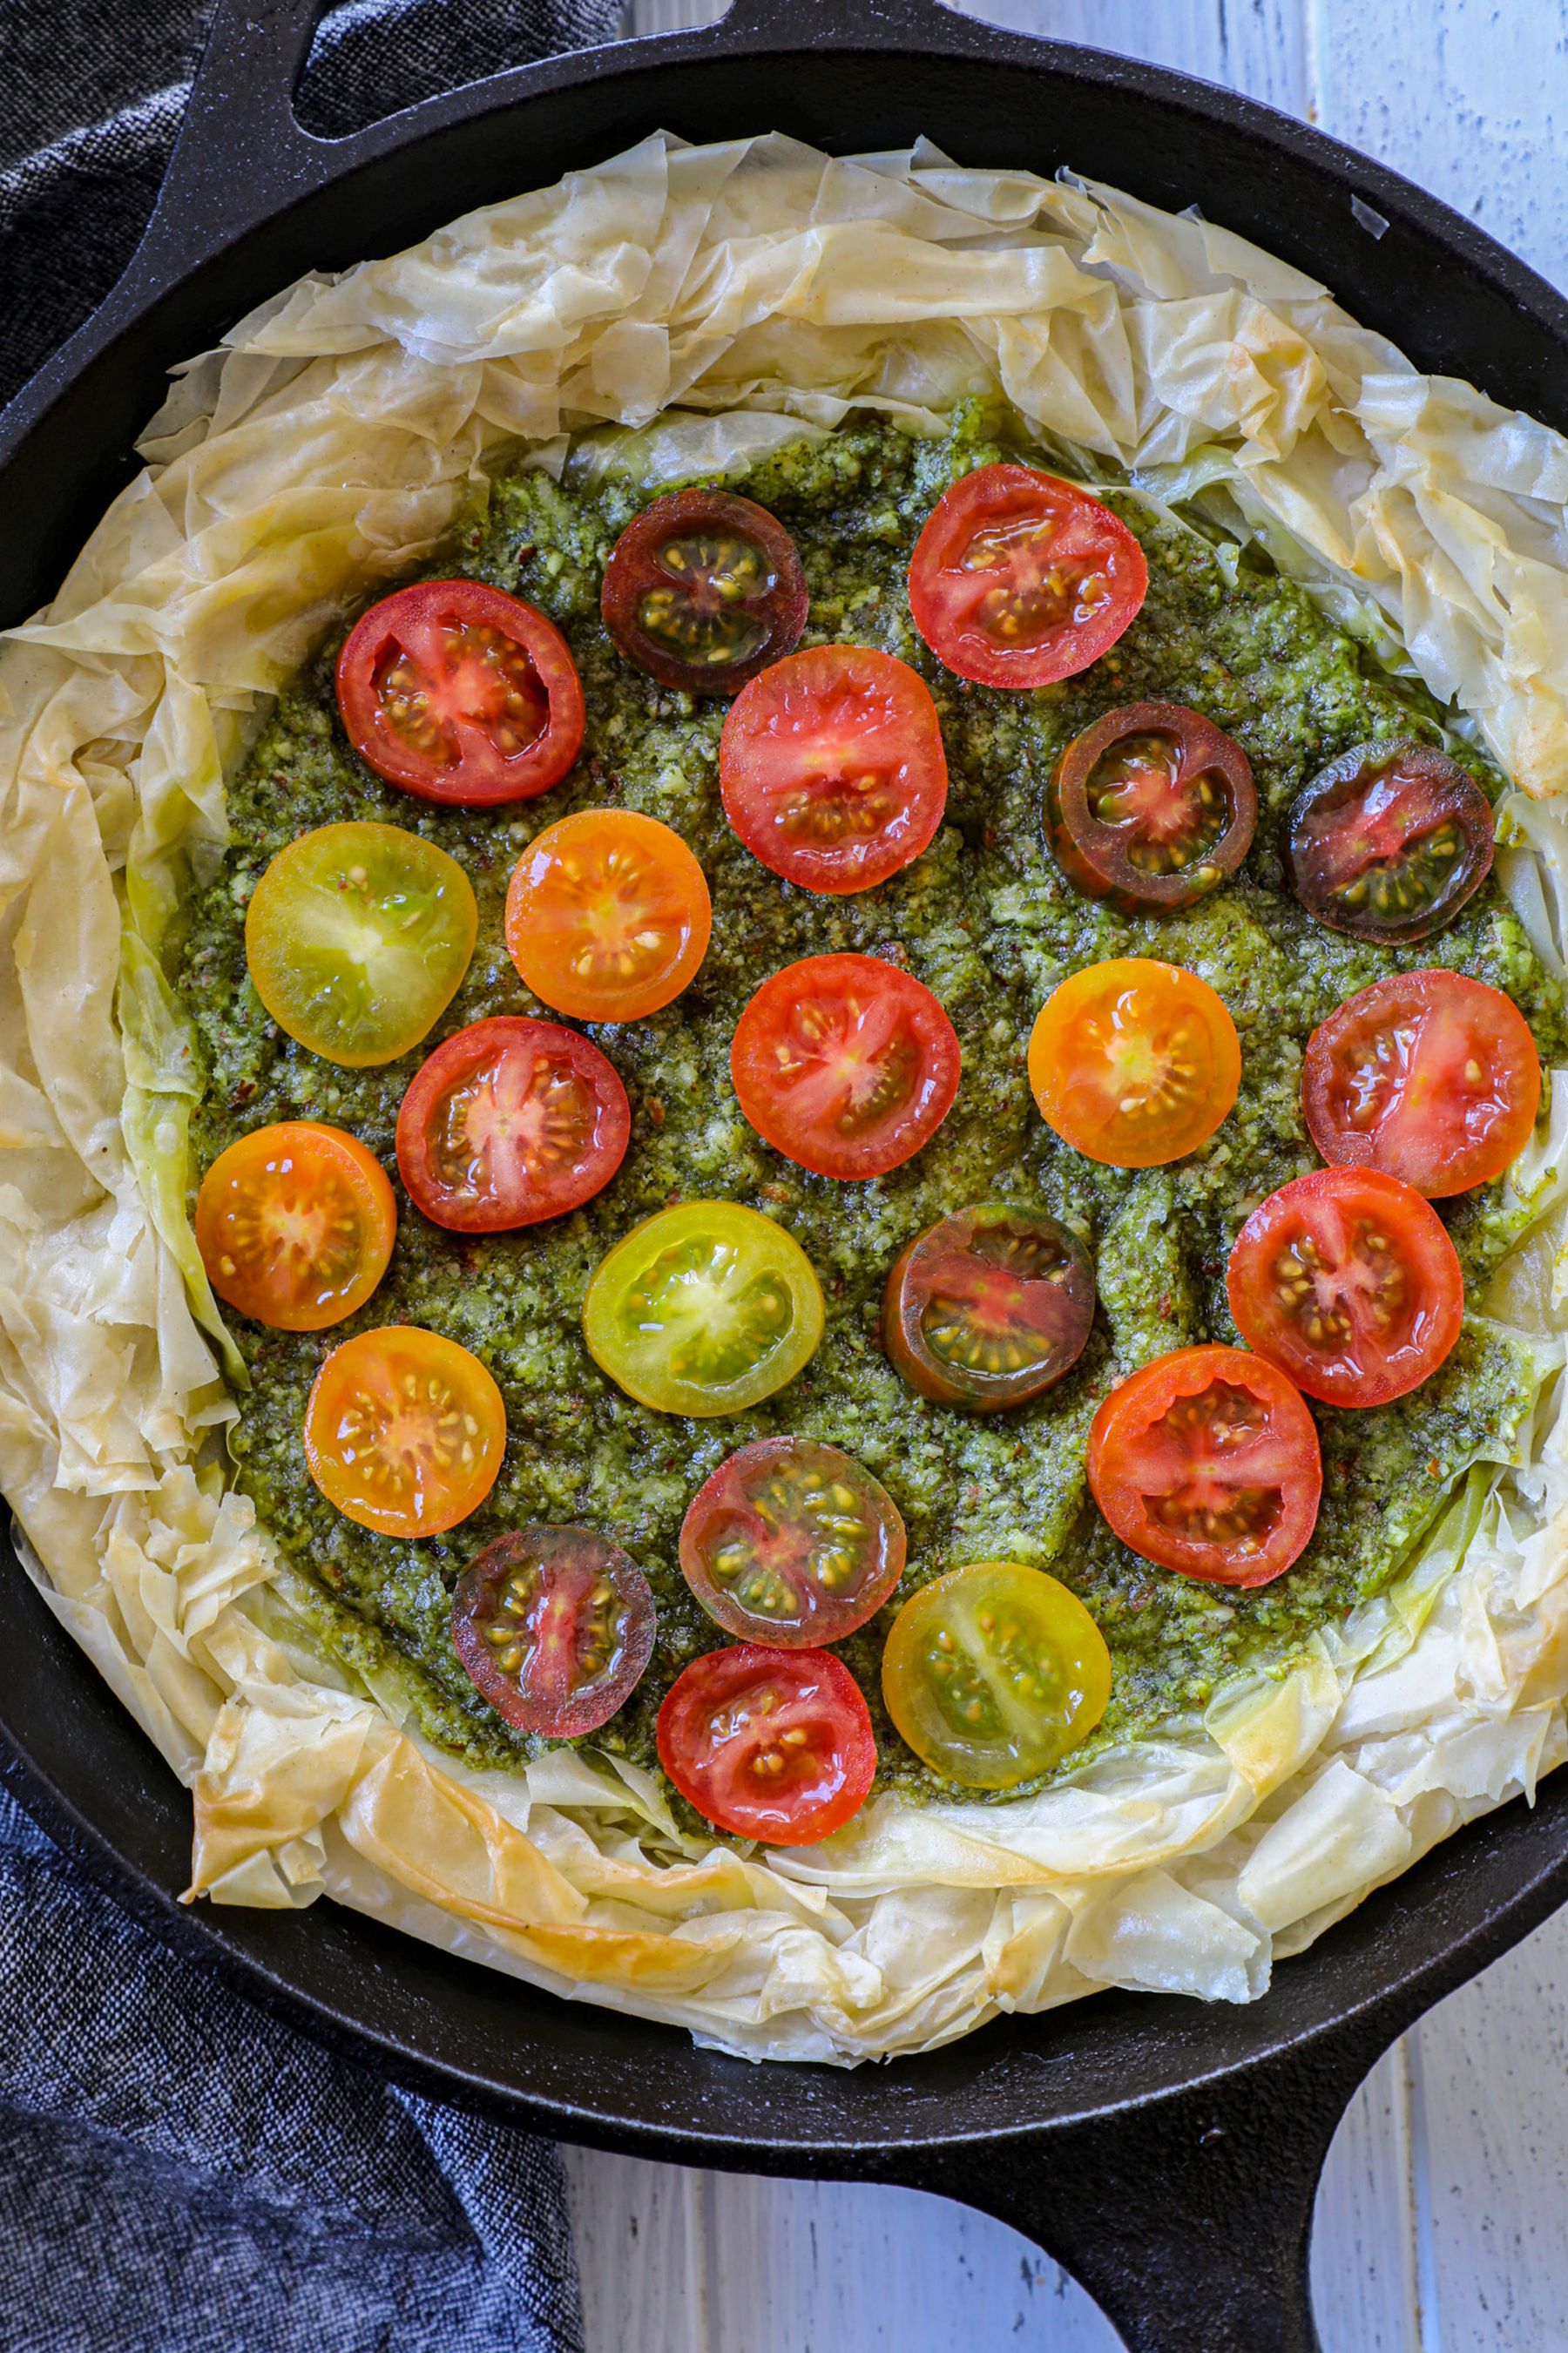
844, 1064
556, 1626
792, 1542
509, 1122
1018, 578
773, 1745
456, 692
1206, 1462
1426, 1075
833, 769
1348, 1282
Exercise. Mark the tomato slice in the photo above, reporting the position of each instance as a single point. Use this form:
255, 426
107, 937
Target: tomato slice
1151, 807
295, 1224
993, 1673
607, 915
556, 1626
833, 769
1348, 1282
1020, 578
1134, 1063
1206, 1462
1426, 1075
773, 1745
405, 1431
844, 1064
703, 590
453, 690
704, 1309
792, 1542
508, 1122
1389, 842
989, 1308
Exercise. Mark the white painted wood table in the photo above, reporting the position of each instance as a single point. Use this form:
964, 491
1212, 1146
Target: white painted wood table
1443, 2222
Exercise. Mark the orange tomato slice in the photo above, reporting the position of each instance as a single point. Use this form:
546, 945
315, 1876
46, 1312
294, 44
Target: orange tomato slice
608, 915
405, 1431
1134, 1063
295, 1224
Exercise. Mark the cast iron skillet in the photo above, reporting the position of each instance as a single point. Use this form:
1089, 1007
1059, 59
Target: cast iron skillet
1165, 2150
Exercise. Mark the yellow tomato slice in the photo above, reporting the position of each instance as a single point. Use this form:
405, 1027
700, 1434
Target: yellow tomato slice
608, 915
1134, 1063
295, 1224
405, 1431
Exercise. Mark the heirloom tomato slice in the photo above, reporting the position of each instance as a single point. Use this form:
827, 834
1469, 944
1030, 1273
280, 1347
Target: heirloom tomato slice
993, 1672
555, 1627
1389, 842
607, 915
295, 1224
1151, 807
1206, 1462
832, 767
989, 1308
792, 1542
455, 692
1134, 1063
770, 1745
508, 1122
405, 1431
1018, 578
702, 590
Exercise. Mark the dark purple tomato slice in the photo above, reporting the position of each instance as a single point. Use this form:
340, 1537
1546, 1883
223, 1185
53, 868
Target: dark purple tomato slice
989, 1307
703, 590
1389, 842
792, 1542
1151, 807
555, 1627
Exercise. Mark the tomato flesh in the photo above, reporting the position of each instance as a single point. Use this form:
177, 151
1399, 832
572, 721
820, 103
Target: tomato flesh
556, 1626
702, 590
771, 1745
1389, 842
989, 1308
832, 767
1347, 1281
1151, 807
1429, 1076
1018, 578
508, 1122
993, 1673
357, 938
792, 1542
455, 692
295, 1225
845, 1064
607, 915
1206, 1462
405, 1431
1134, 1063
703, 1309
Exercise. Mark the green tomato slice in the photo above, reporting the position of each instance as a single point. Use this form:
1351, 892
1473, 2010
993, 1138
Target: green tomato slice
357, 937
705, 1309
993, 1672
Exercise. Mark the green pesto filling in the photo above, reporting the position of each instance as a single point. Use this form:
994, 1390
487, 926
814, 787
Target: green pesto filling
985, 919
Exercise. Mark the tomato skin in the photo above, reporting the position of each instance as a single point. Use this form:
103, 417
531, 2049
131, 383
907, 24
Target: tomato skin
1028, 529
736, 574
486, 1100
1049, 1687
1126, 814
340, 1196
991, 1282
792, 1543
1386, 1081
1389, 842
491, 703
536, 1641
1151, 1438
586, 898
1368, 1262
1134, 1063
731, 1713
385, 1408
833, 768
811, 1060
